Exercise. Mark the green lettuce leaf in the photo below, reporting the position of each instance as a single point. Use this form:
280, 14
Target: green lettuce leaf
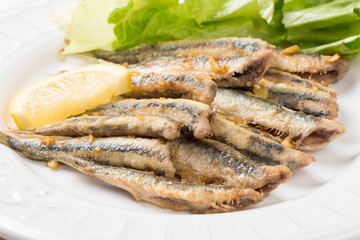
324, 26
88, 28
348, 46
184, 21
189, 20
149, 25
323, 15
324, 35
301, 4
276, 29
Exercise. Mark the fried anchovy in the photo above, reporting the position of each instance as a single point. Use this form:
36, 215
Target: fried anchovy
322, 68
208, 161
170, 193
259, 148
110, 126
233, 71
305, 132
297, 93
218, 48
194, 115
174, 85
138, 153
144, 154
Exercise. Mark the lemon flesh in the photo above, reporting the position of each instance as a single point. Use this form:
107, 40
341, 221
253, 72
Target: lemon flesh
69, 93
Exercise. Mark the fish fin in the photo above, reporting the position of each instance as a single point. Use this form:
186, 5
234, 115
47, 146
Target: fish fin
78, 163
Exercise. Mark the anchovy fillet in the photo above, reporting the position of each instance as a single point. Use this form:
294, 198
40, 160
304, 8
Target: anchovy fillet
170, 193
296, 93
209, 161
174, 85
108, 165
138, 153
321, 68
305, 132
110, 126
194, 115
233, 71
218, 48
257, 147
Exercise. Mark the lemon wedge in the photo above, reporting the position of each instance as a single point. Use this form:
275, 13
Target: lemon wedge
72, 92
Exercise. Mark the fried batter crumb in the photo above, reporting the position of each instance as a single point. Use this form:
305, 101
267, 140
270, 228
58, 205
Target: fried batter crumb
91, 139
52, 164
291, 50
48, 141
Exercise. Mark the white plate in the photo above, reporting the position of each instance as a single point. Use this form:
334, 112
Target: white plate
320, 201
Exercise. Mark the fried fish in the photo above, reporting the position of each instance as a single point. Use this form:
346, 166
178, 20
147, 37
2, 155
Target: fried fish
321, 68
194, 115
304, 132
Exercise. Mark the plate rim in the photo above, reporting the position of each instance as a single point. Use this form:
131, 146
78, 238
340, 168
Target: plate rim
9, 226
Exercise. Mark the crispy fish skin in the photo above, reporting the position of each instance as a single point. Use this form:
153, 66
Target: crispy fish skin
110, 126
299, 94
305, 132
194, 115
211, 162
256, 146
170, 193
174, 85
321, 68
138, 153
235, 71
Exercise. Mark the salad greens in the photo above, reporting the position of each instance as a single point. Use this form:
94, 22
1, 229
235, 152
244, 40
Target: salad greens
323, 26
86, 26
